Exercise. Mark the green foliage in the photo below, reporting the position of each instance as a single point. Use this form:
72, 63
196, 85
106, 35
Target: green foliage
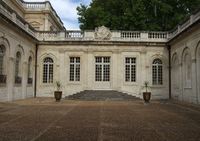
146, 85
58, 85
160, 15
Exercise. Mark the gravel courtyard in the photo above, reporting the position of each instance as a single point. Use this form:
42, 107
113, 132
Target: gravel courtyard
43, 119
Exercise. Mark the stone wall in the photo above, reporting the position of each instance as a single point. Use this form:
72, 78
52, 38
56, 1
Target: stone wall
185, 75
15, 41
143, 54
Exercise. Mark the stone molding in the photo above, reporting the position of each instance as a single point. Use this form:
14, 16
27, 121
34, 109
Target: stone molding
102, 33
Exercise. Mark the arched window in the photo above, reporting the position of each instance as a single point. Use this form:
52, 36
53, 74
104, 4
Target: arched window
157, 72
48, 70
2, 55
187, 69
18, 68
30, 79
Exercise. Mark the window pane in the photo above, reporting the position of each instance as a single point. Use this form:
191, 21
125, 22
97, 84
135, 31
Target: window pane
102, 71
48, 70
71, 72
45, 73
98, 73
51, 73
130, 69
106, 71
74, 69
157, 72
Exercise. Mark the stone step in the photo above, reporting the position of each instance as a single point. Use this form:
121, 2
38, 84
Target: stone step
99, 95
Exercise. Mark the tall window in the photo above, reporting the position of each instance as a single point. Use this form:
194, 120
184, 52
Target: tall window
157, 70
48, 70
18, 68
30, 79
74, 69
130, 69
102, 69
2, 55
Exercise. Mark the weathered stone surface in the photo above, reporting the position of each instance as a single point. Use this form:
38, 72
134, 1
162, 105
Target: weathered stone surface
43, 119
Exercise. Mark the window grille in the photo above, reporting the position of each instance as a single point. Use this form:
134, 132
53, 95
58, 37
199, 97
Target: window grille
102, 72
74, 69
130, 69
157, 70
48, 70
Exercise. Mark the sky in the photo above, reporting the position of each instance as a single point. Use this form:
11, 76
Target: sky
66, 9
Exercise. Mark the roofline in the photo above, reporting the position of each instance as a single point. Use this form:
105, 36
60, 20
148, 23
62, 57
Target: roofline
25, 2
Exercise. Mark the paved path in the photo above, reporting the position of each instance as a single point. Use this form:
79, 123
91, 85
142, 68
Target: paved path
42, 119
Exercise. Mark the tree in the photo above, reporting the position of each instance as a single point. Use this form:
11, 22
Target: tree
160, 15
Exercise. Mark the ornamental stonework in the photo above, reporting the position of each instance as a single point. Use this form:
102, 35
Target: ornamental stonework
102, 33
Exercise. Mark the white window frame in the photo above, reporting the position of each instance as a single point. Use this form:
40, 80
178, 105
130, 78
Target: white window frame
48, 79
104, 75
132, 76
159, 77
75, 74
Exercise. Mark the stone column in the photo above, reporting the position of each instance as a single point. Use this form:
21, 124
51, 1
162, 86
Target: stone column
46, 22
91, 70
115, 72
62, 69
144, 70
181, 81
10, 77
24, 79
84, 70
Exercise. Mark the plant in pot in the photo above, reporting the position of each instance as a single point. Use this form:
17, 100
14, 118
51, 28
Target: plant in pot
146, 94
58, 92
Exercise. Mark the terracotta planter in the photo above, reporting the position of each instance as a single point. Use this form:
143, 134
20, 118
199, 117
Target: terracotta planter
58, 95
146, 96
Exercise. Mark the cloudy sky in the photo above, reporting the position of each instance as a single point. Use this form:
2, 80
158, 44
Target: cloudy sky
66, 9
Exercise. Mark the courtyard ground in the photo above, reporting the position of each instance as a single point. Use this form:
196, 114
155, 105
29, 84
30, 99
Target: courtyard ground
43, 119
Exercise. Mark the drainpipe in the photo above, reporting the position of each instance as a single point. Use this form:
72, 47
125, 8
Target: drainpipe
36, 54
170, 80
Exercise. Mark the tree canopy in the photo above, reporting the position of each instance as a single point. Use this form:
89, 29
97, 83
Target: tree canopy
157, 15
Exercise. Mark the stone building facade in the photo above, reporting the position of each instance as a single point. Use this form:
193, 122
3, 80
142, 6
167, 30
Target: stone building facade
36, 51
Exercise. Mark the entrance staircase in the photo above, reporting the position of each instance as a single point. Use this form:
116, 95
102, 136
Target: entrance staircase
100, 95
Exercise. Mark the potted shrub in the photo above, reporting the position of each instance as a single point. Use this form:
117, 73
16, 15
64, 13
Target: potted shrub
146, 94
58, 93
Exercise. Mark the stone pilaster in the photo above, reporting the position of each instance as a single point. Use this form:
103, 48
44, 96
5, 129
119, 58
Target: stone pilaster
10, 77
194, 82
24, 79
